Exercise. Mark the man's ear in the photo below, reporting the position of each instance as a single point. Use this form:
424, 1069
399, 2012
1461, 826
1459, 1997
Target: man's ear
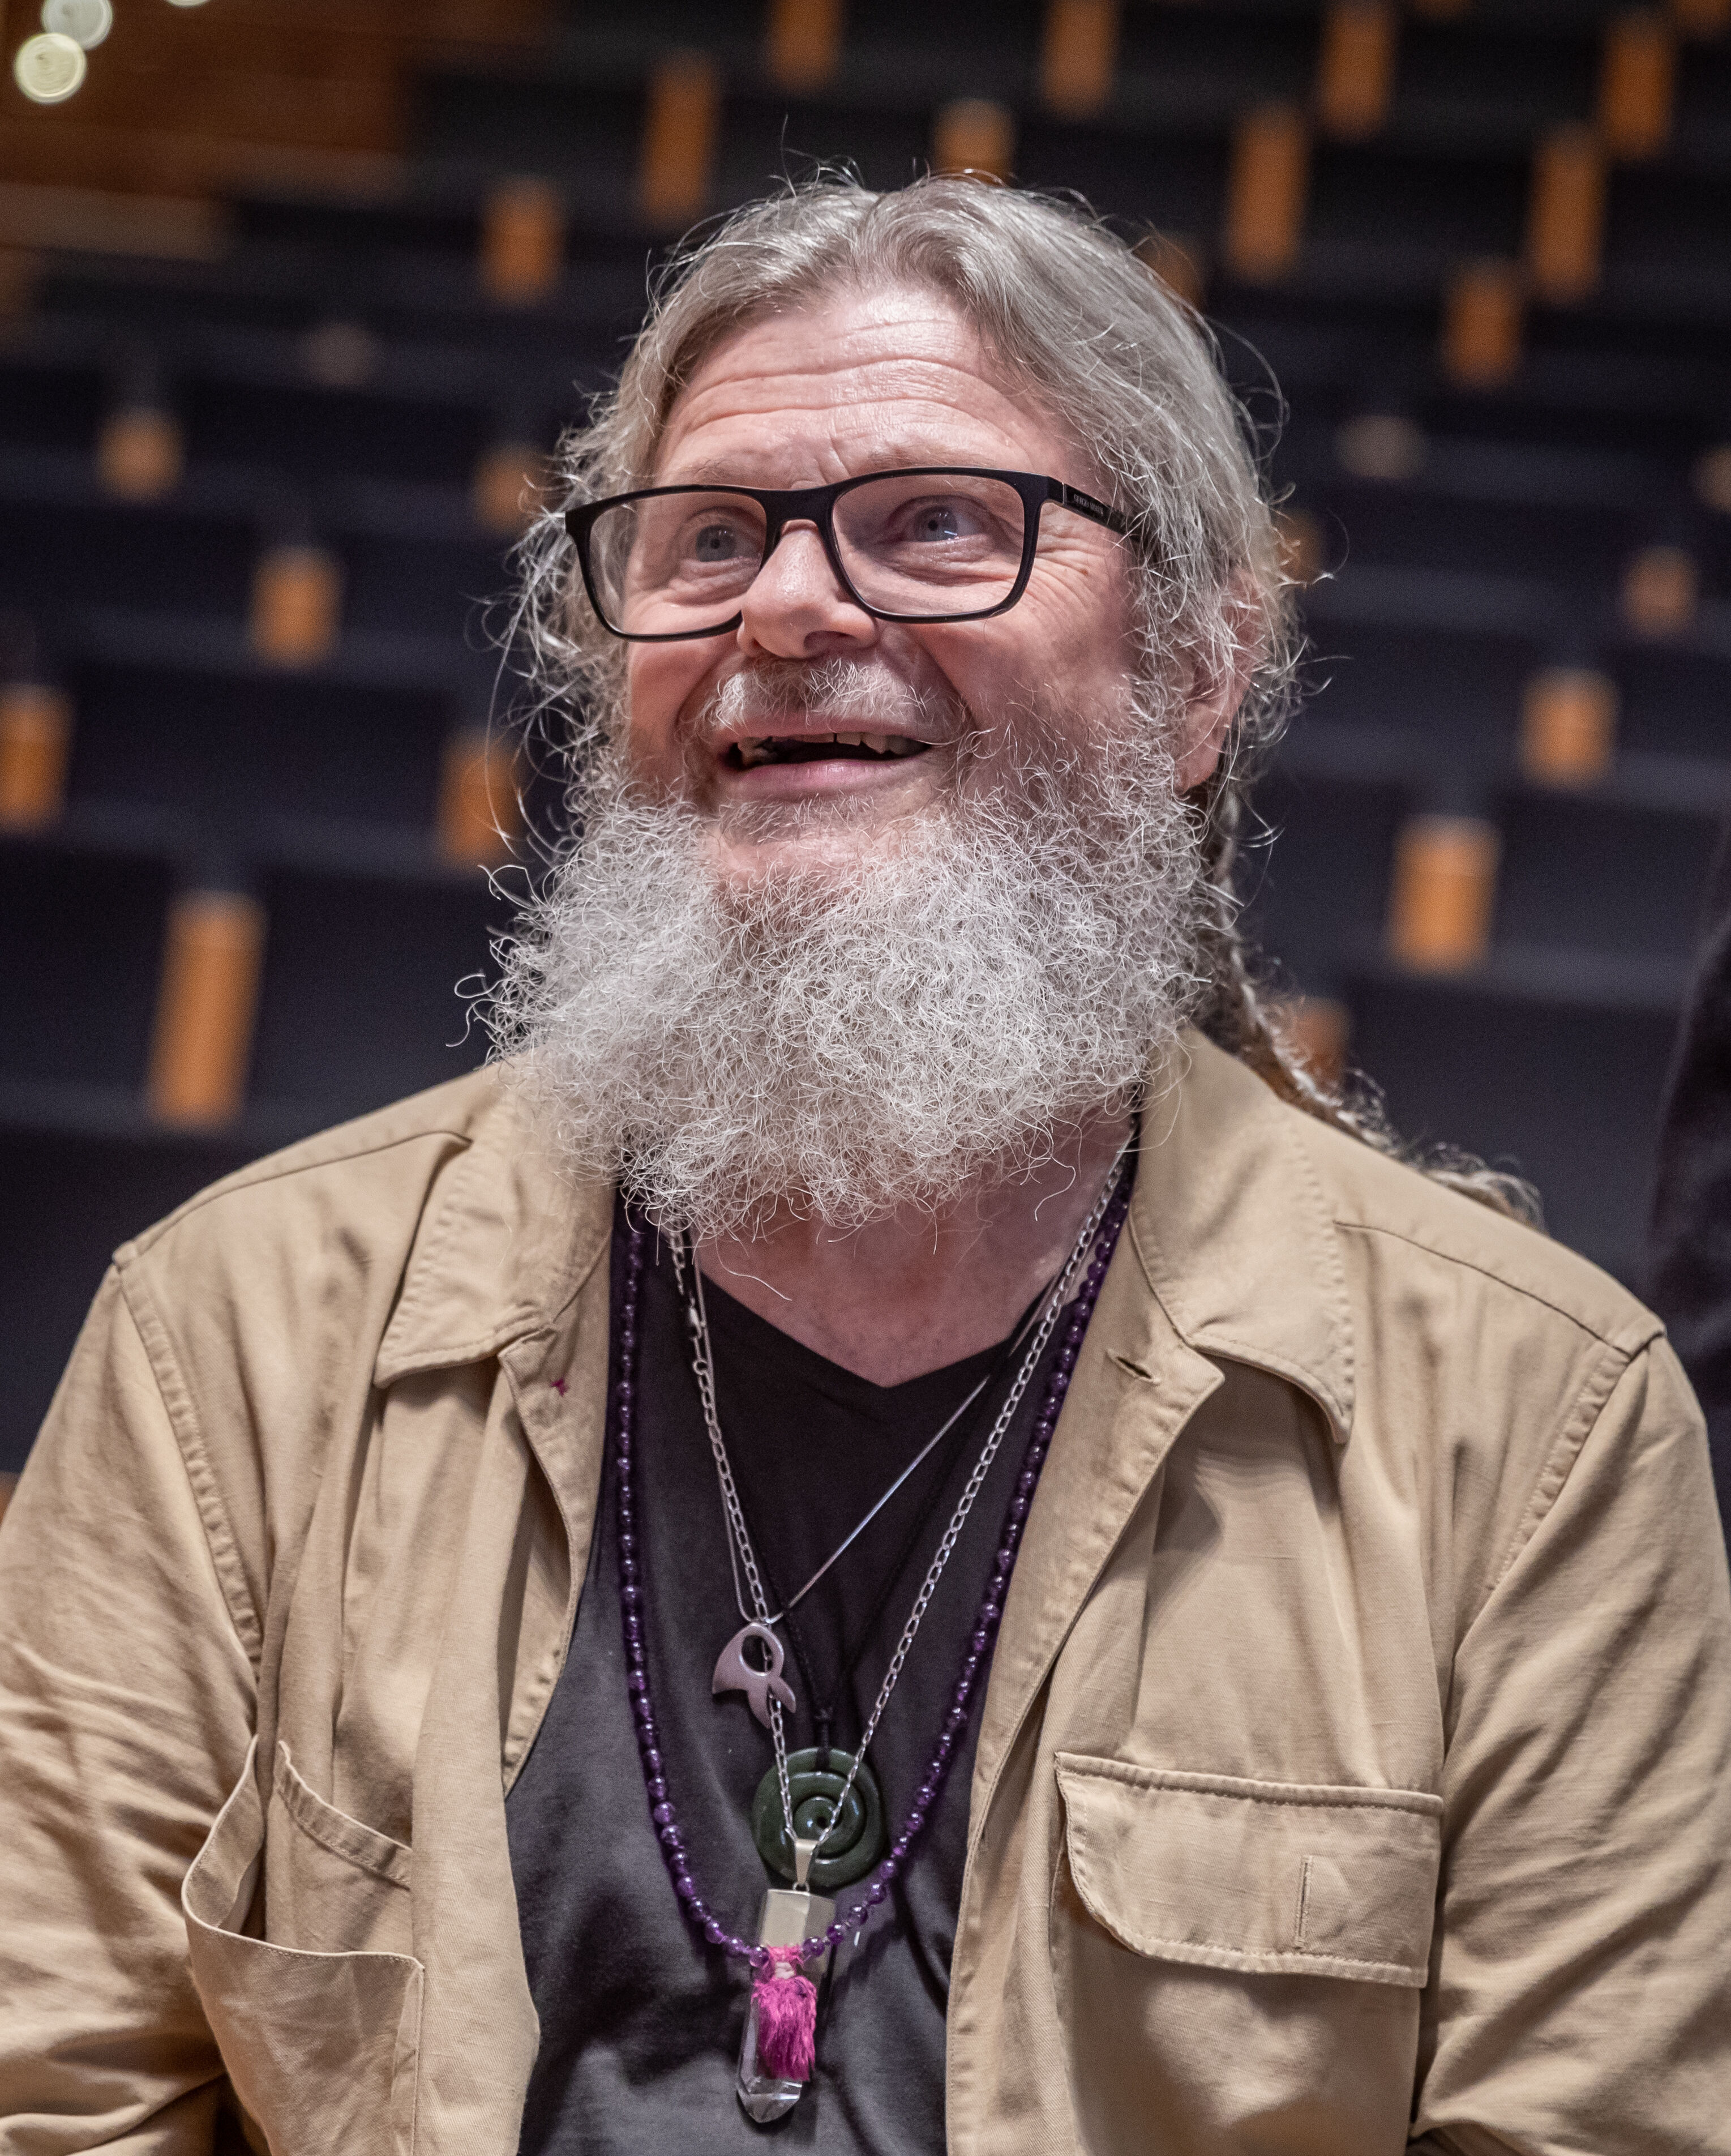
1219, 689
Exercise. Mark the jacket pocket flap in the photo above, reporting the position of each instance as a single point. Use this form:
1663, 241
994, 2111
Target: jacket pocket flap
364, 1846
1278, 1877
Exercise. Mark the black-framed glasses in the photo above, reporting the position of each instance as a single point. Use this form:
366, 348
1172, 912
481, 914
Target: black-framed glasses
931, 543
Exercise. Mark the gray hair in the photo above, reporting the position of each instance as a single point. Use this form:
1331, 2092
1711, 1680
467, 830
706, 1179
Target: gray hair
1131, 374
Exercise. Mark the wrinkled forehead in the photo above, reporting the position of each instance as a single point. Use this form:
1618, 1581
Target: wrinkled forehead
854, 380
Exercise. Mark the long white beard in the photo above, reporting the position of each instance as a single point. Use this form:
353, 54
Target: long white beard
850, 1047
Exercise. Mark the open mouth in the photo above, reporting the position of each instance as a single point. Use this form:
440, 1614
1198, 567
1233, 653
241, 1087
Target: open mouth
813, 748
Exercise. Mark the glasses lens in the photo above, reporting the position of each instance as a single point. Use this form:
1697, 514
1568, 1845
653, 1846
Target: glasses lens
945, 544
668, 564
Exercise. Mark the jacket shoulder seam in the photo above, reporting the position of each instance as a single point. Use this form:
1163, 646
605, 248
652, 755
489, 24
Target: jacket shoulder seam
178, 1403
1627, 1347
265, 1171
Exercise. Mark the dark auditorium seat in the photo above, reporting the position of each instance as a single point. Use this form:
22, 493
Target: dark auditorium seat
70, 1195
69, 548
1450, 699
1316, 862
81, 929
359, 1000
1605, 871
1676, 701
245, 745
1533, 1073
309, 433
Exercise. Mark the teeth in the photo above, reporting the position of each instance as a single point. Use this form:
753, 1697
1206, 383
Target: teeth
768, 748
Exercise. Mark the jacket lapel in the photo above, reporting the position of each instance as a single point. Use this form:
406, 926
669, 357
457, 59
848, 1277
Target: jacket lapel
1228, 1255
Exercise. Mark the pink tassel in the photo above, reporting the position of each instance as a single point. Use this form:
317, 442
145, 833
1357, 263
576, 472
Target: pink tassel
787, 2023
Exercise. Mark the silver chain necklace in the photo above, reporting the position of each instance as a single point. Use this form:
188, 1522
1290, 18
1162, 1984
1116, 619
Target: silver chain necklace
732, 1670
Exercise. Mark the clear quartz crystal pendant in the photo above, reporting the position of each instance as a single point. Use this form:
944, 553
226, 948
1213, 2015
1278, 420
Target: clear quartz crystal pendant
789, 1915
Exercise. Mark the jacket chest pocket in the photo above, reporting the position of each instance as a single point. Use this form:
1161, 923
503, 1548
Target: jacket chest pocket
1273, 1877
1192, 1917
320, 2041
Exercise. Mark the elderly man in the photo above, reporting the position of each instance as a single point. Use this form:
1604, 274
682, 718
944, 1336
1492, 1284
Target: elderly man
894, 1524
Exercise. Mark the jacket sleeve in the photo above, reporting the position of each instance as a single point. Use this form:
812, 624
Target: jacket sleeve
1580, 1992
126, 1705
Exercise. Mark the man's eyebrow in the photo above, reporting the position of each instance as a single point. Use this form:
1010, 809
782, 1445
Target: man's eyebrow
895, 456
709, 473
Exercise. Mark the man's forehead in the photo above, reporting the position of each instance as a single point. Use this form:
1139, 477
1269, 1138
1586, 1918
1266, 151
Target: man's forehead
896, 376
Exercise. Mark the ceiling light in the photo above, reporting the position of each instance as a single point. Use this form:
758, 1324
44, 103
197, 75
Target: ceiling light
48, 67
87, 22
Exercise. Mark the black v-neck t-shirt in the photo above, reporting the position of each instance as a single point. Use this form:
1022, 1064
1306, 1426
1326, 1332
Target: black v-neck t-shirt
640, 2020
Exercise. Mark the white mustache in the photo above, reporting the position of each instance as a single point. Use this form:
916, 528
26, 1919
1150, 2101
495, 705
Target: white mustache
859, 694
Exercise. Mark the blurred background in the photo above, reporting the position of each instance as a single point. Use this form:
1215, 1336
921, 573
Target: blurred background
295, 296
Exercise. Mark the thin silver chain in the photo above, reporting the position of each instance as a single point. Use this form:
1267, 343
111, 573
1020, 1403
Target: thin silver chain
703, 1365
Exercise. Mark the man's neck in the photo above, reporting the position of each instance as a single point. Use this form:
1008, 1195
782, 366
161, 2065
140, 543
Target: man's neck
903, 1295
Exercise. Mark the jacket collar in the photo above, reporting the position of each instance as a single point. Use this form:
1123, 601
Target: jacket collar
508, 1239
1234, 1234
1229, 1224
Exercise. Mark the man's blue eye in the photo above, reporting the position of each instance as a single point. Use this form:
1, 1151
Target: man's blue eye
940, 522
715, 542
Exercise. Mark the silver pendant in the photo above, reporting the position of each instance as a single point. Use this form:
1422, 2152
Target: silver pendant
789, 1914
734, 1673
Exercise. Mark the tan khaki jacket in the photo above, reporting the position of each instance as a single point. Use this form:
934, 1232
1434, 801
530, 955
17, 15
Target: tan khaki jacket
1356, 1762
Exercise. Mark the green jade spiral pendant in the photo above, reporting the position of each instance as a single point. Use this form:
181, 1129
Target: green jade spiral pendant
815, 1779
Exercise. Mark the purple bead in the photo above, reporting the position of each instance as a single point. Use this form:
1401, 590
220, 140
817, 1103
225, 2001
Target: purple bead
955, 1718
699, 1909
671, 1838
922, 1798
856, 1916
916, 1819
633, 1628
633, 1595
876, 1892
686, 1886
652, 1760
1006, 1561
622, 1391
627, 1543
662, 1814
980, 1641
1018, 1511
898, 1851
835, 1933
946, 1744
1026, 1481
636, 1681
658, 1789
715, 1932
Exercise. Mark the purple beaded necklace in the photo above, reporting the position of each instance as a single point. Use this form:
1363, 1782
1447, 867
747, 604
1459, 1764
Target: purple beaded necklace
782, 1961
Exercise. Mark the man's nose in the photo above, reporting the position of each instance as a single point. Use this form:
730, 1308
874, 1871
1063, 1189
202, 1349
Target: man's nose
797, 606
